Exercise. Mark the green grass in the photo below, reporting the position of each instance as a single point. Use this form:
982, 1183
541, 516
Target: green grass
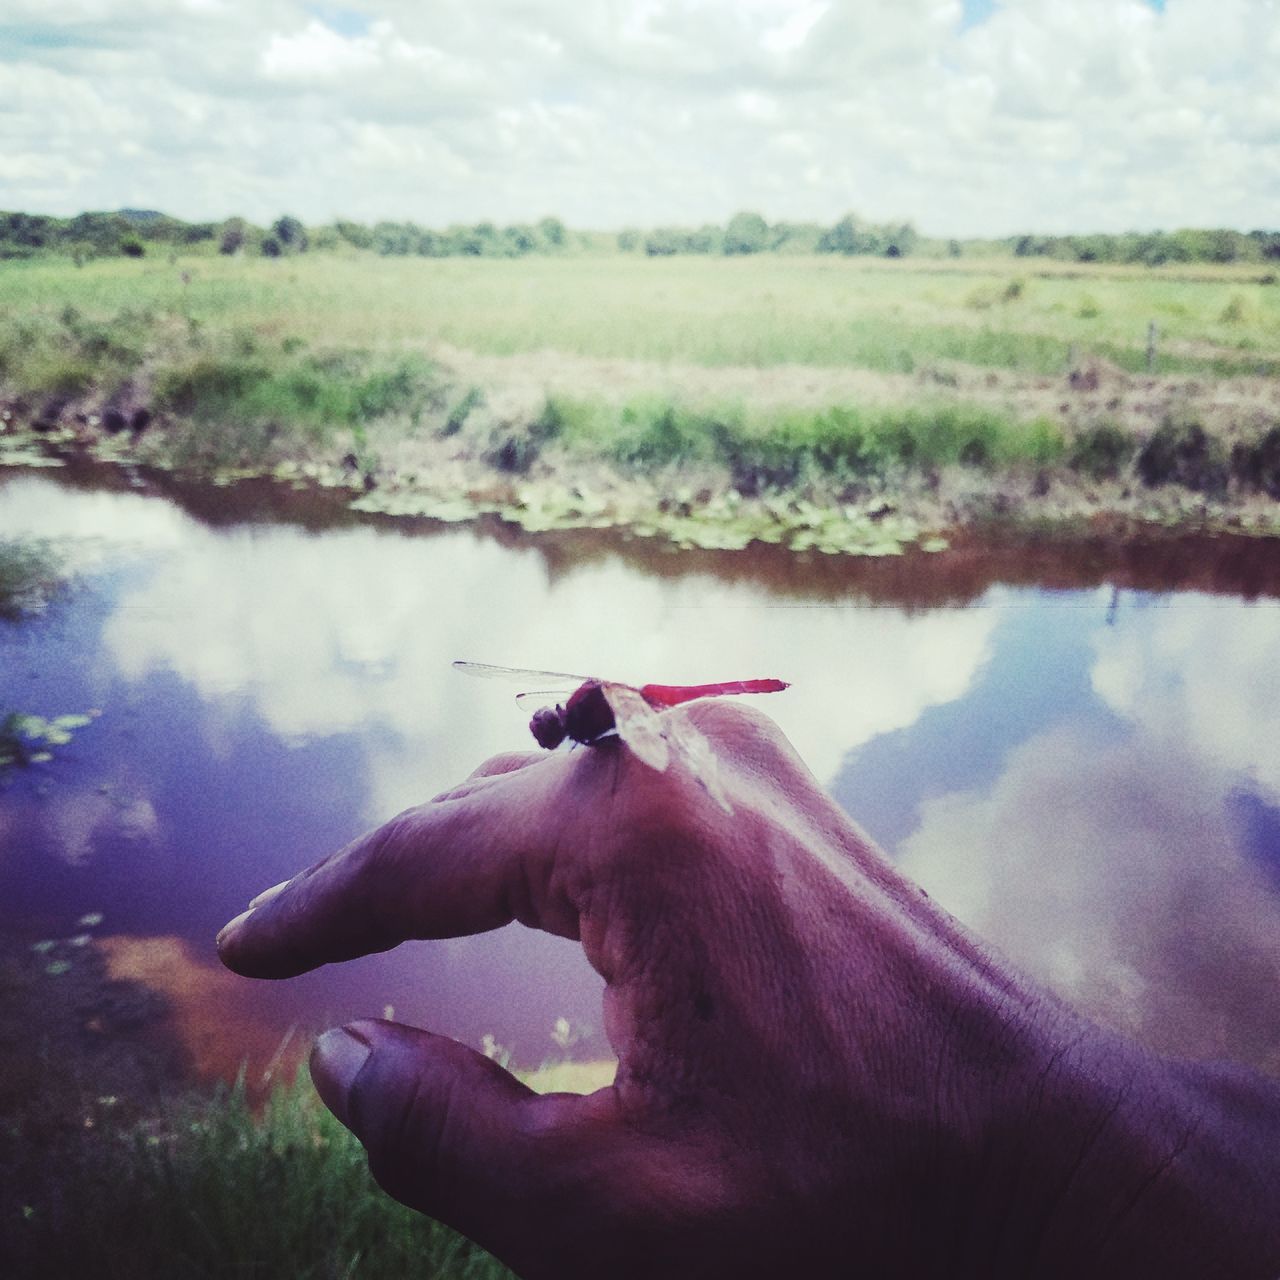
250, 362
783, 449
764, 312
212, 1190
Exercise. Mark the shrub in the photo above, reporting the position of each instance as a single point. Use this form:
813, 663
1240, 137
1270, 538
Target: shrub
1257, 464
1101, 452
209, 387
1184, 454
232, 235
516, 450
746, 233
657, 433
1237, 311
291, 235
461, 410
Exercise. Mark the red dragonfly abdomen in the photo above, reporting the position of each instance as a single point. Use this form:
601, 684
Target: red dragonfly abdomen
670, 695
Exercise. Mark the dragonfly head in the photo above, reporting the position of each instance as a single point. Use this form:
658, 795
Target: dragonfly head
547, 727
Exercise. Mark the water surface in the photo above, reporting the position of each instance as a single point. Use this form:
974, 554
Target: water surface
1078, 754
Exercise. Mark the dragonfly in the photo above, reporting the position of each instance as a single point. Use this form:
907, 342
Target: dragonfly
596, 710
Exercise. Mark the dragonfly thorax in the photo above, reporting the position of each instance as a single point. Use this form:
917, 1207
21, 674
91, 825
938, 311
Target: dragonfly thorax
587, 714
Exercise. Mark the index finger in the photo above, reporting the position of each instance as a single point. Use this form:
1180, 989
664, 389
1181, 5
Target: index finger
466, 863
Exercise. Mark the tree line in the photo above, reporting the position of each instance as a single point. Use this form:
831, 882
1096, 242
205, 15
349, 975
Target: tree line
1154, 248
137, 232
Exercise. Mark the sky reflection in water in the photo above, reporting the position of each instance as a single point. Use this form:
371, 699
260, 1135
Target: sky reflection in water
1090, 782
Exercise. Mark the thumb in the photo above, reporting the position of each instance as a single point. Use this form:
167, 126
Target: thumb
452, 1134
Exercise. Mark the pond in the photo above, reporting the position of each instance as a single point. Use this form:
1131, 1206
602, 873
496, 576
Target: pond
1076, 751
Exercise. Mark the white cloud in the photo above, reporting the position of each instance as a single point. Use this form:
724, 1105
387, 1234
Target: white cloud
1153, 671
1052, 114
318, 52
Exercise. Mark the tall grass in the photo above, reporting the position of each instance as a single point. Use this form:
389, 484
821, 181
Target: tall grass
778, 450
211, 1190
761, 312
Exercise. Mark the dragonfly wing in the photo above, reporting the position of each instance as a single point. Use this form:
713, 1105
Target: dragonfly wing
638, 725
698, 756
543, 697
491, 672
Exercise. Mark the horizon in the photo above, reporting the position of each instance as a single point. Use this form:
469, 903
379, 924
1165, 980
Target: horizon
971, 119
265, 225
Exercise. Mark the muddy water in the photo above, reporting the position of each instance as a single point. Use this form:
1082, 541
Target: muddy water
1077, 752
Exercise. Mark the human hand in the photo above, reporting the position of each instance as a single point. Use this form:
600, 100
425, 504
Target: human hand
819, 1071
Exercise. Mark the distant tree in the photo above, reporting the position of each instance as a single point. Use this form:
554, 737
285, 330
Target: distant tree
394, 238
705, 239
661, 243
900, 241
324, 239
271, 246
520, 240
1222, 246
232, 235
354, 233
844, 237
480, 241
746, 233
1267, 244
431, 244
133, 248
290, 233
553, 233
629, 240
795, 237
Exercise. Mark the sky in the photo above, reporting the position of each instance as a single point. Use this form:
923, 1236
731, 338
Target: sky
966, 117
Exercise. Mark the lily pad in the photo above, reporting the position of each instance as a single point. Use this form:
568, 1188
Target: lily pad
381, 502
21, 457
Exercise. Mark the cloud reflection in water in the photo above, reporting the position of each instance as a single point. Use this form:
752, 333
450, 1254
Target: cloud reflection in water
1110, 860
268, 692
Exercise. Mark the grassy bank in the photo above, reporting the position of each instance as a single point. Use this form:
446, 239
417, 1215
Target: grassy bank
115, 1166
845, 405
209, 1187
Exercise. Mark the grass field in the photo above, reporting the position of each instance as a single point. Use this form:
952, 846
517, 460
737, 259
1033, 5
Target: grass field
758, 312
817, 388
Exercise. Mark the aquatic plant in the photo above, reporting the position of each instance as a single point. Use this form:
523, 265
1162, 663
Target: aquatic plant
26, 739
31, 571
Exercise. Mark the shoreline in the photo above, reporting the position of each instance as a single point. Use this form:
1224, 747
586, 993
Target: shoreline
1211, 483
846, 408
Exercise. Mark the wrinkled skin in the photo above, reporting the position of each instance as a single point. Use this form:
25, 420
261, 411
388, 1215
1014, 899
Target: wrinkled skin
819, 1071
